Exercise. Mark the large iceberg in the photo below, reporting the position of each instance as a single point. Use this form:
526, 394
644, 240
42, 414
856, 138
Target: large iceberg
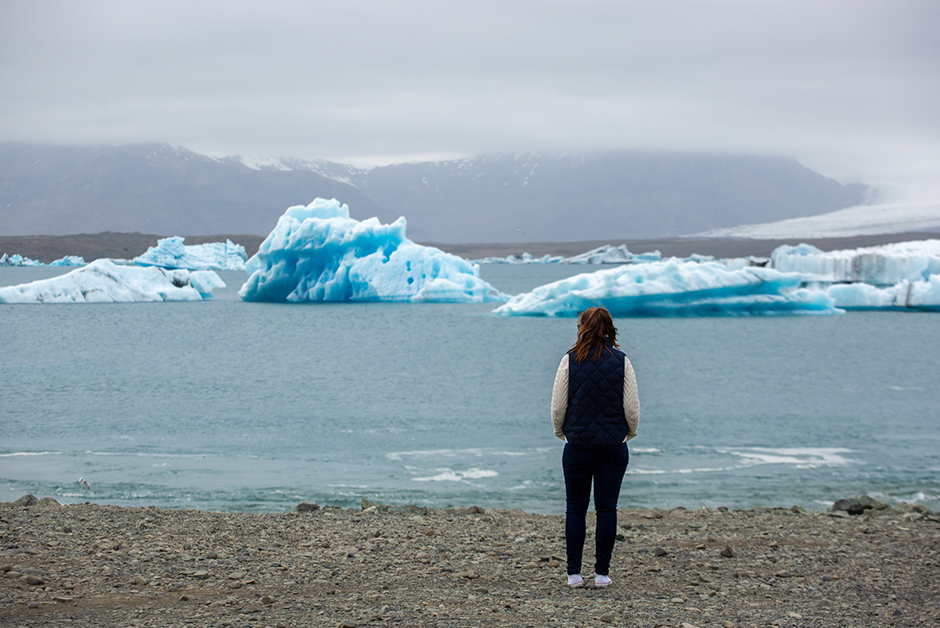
885, 265
319, 253
172, 253
674, 288
903, 275
103, 281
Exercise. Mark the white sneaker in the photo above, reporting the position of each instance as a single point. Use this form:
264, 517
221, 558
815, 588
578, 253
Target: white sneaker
601, 581
575, 581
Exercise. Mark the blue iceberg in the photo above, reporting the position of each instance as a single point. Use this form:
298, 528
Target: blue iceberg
319, 253
172, 253
674, 288
103, 281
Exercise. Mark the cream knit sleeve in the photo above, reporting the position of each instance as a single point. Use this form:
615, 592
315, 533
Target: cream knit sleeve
631, 400
560, 398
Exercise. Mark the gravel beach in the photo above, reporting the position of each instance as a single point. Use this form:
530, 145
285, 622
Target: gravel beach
91, 565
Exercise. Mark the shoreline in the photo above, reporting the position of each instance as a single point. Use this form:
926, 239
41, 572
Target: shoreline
379, 565
47, 248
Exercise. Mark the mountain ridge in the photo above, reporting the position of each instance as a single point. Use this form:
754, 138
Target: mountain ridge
157, 188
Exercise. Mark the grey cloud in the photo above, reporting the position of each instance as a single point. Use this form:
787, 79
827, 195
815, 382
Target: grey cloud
844, 86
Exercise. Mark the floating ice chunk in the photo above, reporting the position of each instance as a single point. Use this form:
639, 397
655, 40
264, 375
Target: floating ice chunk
319, 253
879, 265
69, 260
918, 295
674, 288
17, 260
606, 254
527, 258
172, 253
103, 281
609, 254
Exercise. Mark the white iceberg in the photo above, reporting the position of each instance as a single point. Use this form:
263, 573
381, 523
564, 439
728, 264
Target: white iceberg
17, 260
319, 253
609, 254
916, 295
527, 258
69, 260
172, 253
103, 281
674, 288
606, 254
885, 265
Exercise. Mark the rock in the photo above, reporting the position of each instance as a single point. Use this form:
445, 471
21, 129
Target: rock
34, 580
139, 580
25, 502
795, 615
727, 552
659, 551
33, 605
858, 505
307, 507
366, 504
63, 599
677, 600
346, 624
608, 618
49, 502
267, 600
727, 624
469, 575
6, 567
782, 574
798, 509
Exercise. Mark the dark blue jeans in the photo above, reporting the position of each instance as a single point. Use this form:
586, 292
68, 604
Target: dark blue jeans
605, 467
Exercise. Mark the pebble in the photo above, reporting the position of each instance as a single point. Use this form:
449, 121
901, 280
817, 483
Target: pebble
367, 567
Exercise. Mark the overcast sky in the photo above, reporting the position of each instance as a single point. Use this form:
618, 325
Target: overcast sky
850, 88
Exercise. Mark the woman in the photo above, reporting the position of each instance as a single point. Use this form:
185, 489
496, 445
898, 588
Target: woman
595, 410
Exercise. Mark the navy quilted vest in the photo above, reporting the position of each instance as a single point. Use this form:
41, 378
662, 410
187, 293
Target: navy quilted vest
595, 400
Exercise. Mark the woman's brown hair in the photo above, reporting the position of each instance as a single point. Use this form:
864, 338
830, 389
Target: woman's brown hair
595, 330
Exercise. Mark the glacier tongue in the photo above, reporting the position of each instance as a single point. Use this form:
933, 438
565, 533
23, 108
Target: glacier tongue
319, 253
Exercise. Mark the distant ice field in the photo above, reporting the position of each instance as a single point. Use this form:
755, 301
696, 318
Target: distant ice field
227, 405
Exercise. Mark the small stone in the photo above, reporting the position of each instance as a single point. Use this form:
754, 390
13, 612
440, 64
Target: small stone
608, 617
782, 574
423, 557
727, 624
33, 605
795, 616
659, 551
686, 624
48, 501
34, 580
6, 568
307, 507
346, 624
469, 575
64, 599
184, 598
202, 575
235, 585
677, 600
238, 575
726, 552
267, 600
139, 581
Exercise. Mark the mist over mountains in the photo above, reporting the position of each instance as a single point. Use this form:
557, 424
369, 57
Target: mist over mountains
59, 190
